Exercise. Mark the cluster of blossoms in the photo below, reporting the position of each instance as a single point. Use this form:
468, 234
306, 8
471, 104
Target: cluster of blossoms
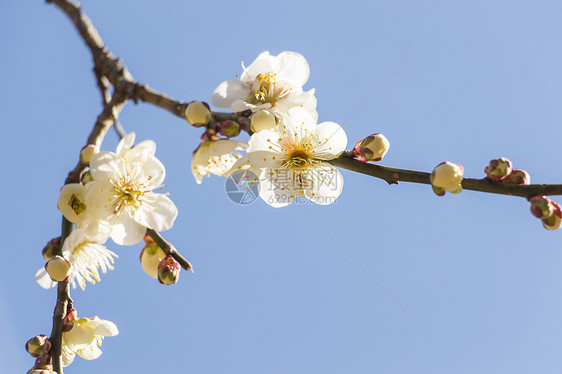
288, 150
115, 199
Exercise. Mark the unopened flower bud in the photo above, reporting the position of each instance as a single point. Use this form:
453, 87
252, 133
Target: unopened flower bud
518, 176
554, 222
42, 366
51, 249
541, 206
151, 256
447, 177
45, 370
372, 148
58, 268
263, 120
86, 177
498, 170
229, 128
71, 316
88, 152
168, 271
198, 113
38, 345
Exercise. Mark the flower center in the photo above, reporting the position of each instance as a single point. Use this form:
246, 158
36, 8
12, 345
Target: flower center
128, 193
265, 90
299, 158
77, 206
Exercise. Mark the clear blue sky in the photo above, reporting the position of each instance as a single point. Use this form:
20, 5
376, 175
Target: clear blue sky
478, 273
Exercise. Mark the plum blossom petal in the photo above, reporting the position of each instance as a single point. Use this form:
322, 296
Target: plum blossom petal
101, 199
215, 157
332, 140
104, 164
229, 91
326, 186
293, 67
43, 279
127, 231
158, 214
125, 144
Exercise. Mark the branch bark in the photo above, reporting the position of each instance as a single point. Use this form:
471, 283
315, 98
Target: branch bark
393, 176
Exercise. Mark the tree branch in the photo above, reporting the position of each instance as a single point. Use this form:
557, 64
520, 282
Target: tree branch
393, 176
61, 307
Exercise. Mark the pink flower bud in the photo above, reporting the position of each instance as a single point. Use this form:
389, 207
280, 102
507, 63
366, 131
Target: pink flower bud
228, 128
447, 177
88, 152
518, 176
58, 268
554, 222
372, 148
541, 206
198, 113
498, 170
38, 345
168, 271
51, 249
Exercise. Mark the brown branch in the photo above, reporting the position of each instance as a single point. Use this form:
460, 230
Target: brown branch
61, 307
393, 176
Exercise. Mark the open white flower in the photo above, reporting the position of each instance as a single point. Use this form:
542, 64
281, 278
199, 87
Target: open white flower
215, 157
86, 253
122, 191
270, 82
84, 338
291, 163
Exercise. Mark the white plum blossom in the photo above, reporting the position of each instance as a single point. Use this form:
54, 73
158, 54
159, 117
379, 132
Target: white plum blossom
291, 161
122, 191
86, 253
270, 82
84, 338
215, 157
